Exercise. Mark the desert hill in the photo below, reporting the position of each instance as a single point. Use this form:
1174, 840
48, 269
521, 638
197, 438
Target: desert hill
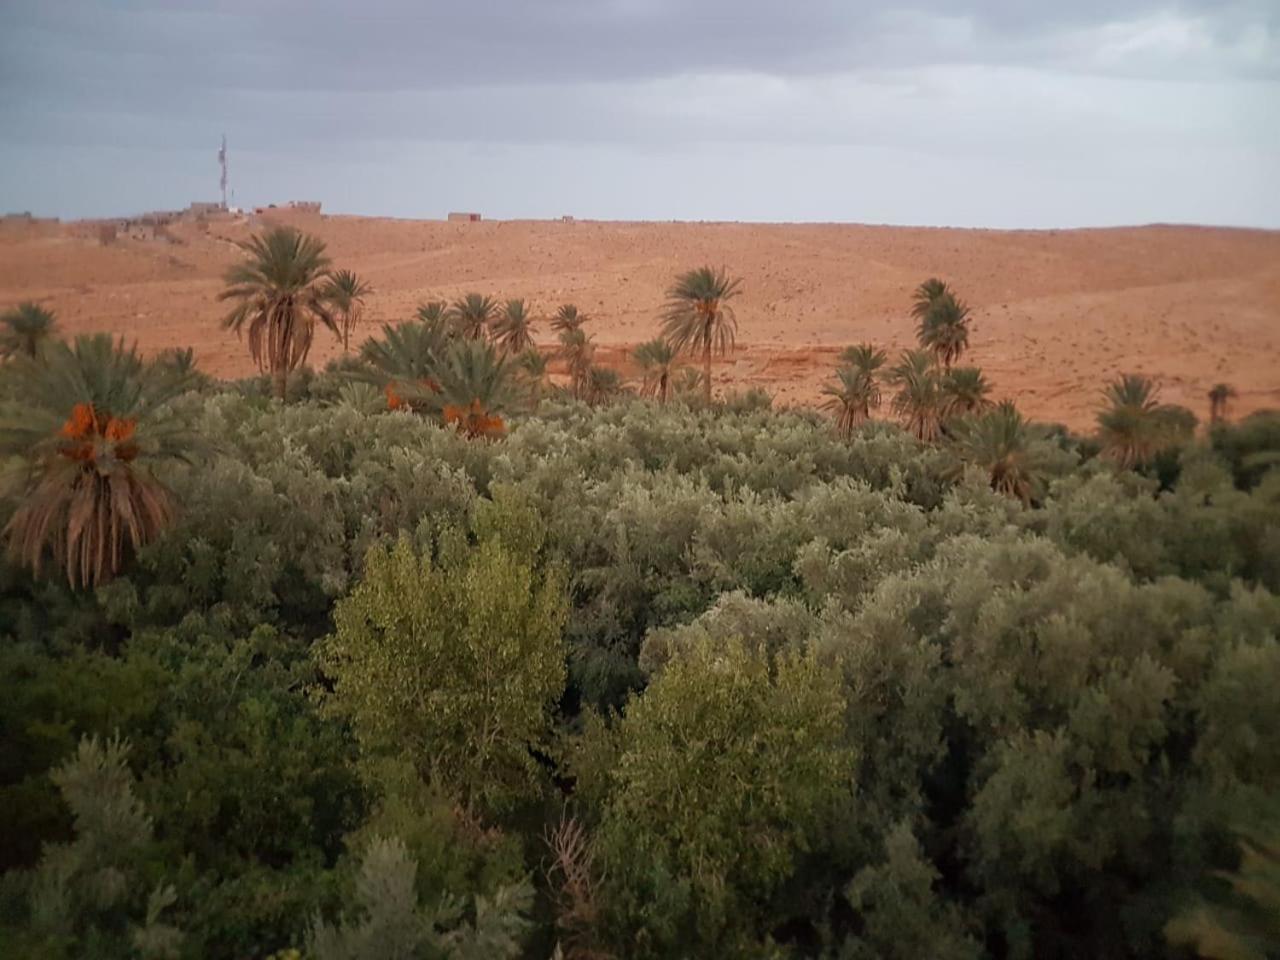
1056, 313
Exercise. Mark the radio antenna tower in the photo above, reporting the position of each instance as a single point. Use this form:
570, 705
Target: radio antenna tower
222, 162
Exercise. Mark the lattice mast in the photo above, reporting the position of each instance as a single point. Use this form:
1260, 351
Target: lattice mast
222, 162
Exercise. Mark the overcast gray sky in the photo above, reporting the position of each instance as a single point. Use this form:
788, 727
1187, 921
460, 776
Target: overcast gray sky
1001, 113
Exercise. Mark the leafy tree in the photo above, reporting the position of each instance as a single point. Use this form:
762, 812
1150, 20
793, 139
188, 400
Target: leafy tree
88, 895
455, 664
1135, 426
280, 293
919, 397
346, 293
391, 924
698, 317
512, 328
926, 295
24, 329
472, 314
577, 349
1007, 448
1219, 397
944, 329
657, 362
965, 391
728, 769
90, 430
567, 318
851, 398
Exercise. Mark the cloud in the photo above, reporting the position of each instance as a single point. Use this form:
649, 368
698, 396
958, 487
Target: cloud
1006, 83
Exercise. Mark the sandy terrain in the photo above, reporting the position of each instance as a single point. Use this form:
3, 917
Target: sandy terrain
1056, 313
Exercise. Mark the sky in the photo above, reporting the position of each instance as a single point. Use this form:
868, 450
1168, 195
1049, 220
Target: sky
999, 113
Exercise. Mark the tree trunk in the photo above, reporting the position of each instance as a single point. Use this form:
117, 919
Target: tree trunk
706, 368
280, 378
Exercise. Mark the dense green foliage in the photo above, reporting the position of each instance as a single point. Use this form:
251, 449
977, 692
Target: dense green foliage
651, 680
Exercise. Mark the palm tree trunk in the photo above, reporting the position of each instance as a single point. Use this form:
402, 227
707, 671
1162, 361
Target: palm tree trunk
280, 377
706, 368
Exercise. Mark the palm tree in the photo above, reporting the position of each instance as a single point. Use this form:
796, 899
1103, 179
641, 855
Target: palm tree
279, 292
181, 359
864, 358
346, 292
687, 384
475, 388
964, 392
919, 397
91, 429
24, 329
577, 350
851, 398
1219, 396
657, 361
925, 296
698, 316
944, 329
404, 361
471, 315
1134, 427
1007, 448
567, 318
531, 365
512, 329
433, 312
601, 385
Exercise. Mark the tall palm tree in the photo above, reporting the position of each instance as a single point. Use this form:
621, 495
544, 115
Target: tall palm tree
476, 388
346, 292
25, 328
1219, 397
1007, 448
1135, 426
404, 361
851, 398
471, 315
657, 362
279, 292
577, 350
567, 318
91, 429
944, 329
512, 329
919, 397
698, 316
965, 391
925, 296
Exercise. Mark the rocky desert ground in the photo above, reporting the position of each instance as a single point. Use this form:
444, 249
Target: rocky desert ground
1056, 313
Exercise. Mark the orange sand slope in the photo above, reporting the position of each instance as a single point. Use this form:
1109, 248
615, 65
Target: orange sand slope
1056, 313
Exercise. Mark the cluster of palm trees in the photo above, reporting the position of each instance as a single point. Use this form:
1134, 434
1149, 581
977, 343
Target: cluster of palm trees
936, 400
929, 390
88, 420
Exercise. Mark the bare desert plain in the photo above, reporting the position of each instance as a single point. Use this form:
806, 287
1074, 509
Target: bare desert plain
1056, 313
